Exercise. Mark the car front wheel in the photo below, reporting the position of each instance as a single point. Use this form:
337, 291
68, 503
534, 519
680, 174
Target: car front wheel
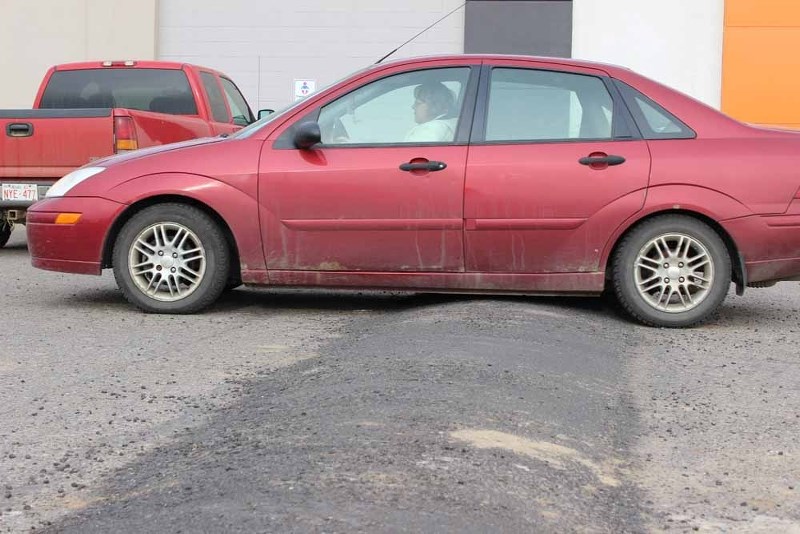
671, 271
171, 258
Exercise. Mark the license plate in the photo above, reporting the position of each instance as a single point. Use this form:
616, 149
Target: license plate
21, 192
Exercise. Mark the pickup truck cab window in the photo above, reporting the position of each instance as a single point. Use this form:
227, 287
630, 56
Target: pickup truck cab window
219, 110
239, 108
161, 90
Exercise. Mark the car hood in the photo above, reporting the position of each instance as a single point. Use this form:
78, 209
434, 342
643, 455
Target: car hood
134, 155
228, 160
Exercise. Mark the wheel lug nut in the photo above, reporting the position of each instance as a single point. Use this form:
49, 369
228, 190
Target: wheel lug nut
666, 280
681, 280
680, 265
666, 265
158, 267
172, 270
174, 254
160, 252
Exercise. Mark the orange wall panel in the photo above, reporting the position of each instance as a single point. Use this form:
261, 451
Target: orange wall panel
760, 65
773, 13
760, 77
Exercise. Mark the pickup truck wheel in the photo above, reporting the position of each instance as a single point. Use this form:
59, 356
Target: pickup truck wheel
5, 233
171, 258
672, 271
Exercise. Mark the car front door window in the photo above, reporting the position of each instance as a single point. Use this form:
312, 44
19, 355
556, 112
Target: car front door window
410, 108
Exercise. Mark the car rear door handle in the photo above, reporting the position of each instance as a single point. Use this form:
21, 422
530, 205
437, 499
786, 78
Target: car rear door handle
599, 160
19, 129
424, 166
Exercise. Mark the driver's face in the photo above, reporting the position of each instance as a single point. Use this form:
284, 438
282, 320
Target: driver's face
422, 112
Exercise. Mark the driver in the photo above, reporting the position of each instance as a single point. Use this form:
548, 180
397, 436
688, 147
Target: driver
432, 103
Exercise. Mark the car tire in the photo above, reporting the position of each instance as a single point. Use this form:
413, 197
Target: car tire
671, 271
5, 233
171, 258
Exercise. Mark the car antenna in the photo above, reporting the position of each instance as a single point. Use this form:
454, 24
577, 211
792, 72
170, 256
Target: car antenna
420, 33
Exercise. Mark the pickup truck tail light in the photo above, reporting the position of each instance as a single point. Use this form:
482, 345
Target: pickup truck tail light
124, 135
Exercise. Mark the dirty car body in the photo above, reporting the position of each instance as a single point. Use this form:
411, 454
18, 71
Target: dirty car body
550, 176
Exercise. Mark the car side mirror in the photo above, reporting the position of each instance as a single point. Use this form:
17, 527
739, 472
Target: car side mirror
307, 135
264, 112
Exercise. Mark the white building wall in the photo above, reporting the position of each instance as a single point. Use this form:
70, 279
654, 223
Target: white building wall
265, 45
37, 34
676, 42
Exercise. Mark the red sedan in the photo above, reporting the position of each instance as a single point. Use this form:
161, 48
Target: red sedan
483, 174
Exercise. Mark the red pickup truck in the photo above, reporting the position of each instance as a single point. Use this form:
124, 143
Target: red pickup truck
86, 111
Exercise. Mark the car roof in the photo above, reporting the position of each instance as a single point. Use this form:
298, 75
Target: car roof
120, 64
499, 57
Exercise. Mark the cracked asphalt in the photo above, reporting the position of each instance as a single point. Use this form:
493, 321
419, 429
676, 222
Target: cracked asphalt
319, 411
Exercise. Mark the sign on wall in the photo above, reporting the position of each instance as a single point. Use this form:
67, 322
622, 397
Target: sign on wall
303, 88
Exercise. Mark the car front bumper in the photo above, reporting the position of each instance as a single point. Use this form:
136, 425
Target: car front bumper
71, 248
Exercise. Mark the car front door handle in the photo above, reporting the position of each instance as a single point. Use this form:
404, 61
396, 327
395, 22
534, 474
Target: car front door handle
424, 166
599, 160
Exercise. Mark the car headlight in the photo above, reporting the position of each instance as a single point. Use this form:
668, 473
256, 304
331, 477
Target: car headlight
62, 187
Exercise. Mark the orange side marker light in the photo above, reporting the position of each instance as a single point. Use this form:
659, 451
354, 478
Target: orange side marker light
67, 218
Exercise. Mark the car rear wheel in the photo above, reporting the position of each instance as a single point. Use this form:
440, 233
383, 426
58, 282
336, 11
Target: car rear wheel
671, 271
171, 258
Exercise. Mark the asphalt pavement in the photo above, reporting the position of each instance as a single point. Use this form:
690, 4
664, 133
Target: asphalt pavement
320, 411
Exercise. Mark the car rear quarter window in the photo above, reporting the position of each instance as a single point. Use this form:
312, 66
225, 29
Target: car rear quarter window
653, 120
219, 111
161, 90
539, 105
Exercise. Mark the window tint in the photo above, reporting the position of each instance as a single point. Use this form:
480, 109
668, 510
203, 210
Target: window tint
161, 90
239, 108
534, 105
654, 121
413, 107
218, 110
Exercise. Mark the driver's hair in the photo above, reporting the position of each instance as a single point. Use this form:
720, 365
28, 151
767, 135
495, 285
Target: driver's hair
439, 98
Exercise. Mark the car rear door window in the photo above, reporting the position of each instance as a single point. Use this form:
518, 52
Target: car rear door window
540, 105
219, 111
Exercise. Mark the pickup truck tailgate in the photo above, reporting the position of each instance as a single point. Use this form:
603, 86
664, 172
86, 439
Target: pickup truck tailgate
46, 144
